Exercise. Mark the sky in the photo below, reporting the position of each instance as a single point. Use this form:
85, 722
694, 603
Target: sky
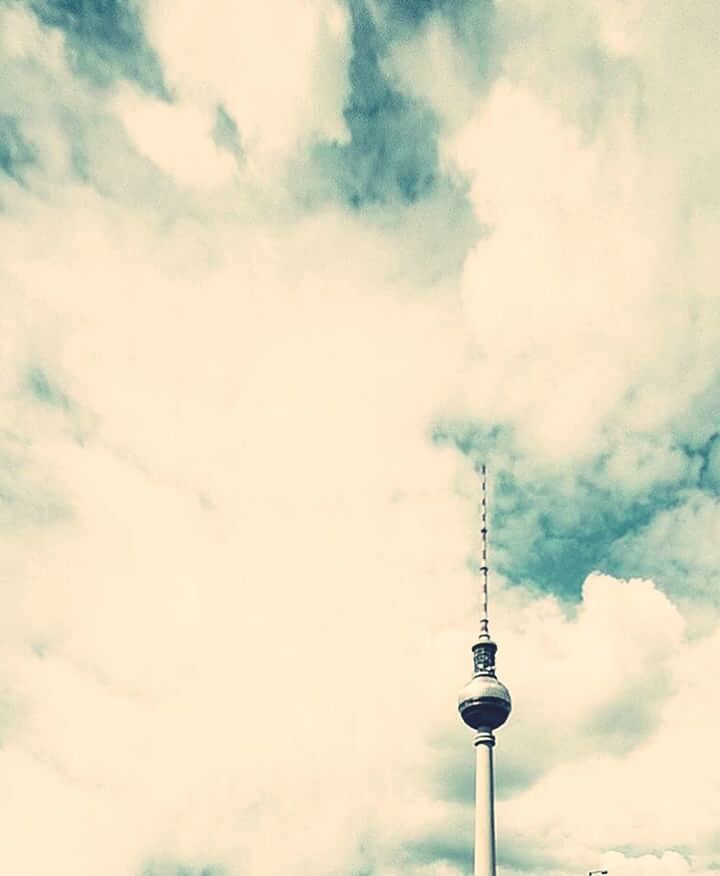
277, 278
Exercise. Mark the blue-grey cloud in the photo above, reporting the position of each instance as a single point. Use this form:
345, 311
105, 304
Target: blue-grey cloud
57, 127
174, 868
16, 153
452, 848
517, 852
42, 388
709, 452
451, 772
678, 548
226, 134
472, 24
414, 12
628, 719
554, 525
28, 496
392, 153
105, 40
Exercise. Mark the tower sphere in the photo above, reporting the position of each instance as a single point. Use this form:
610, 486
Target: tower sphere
484, 702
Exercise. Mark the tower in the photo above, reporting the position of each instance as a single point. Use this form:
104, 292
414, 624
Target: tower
484, 705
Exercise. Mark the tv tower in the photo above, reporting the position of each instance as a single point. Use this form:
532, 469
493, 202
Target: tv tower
484, 705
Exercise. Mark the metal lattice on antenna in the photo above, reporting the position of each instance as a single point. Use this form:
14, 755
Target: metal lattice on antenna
484, 620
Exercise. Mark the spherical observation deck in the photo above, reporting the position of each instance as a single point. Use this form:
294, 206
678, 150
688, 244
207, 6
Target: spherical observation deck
484, 702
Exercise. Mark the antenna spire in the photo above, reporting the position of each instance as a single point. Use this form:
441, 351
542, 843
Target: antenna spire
484, 619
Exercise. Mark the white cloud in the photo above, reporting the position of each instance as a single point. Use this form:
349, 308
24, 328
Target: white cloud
660, 792
589, 299
250, 495
280, 69
567, 275
177, 138
680, 546
668, 864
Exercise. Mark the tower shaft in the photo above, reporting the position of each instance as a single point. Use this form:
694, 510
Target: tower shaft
484, 804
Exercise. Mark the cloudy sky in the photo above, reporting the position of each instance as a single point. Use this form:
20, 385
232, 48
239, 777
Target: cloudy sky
276, 277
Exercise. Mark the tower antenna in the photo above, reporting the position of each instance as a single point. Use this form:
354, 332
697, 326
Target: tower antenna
484, 618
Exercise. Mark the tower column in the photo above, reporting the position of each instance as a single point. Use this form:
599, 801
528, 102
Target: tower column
484, 804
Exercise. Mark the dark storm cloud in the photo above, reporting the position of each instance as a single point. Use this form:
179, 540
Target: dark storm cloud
105, 40
16, 154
